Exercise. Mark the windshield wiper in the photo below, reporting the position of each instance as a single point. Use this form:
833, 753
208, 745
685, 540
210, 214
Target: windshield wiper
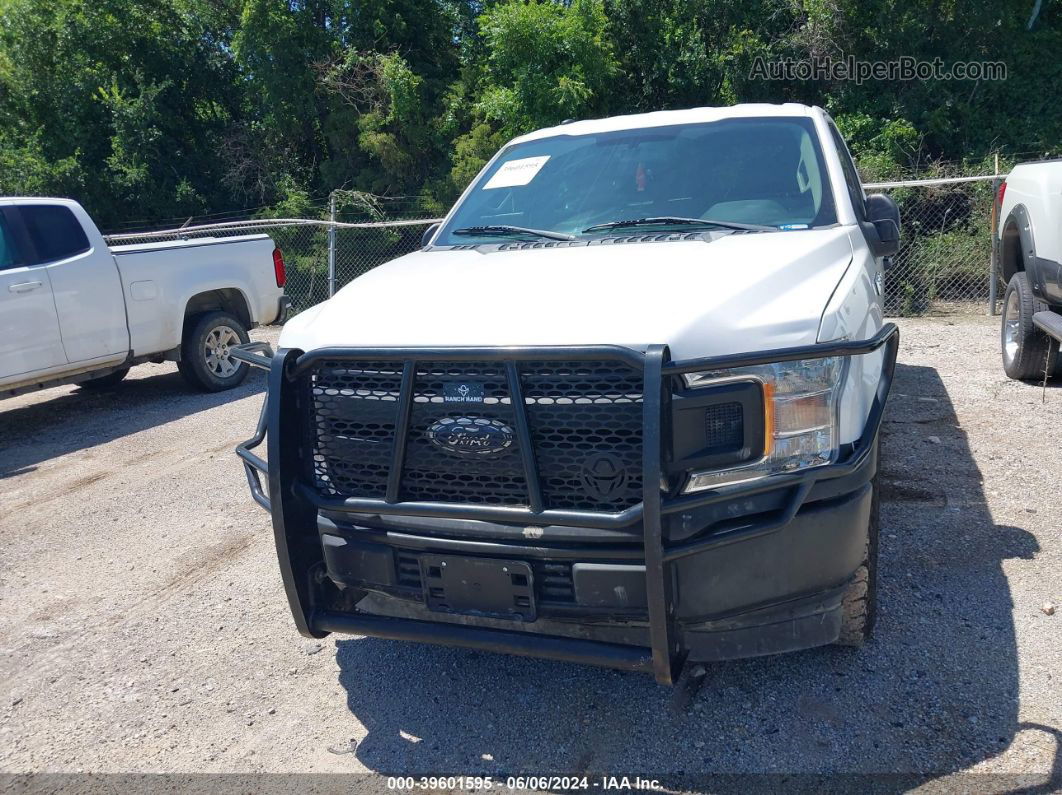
492, 231
668, 220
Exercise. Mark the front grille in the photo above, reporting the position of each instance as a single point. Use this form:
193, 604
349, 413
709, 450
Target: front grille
353, 425
584, 419
433, 475
586, 424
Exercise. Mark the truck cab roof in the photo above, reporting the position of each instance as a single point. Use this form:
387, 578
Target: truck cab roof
666, 118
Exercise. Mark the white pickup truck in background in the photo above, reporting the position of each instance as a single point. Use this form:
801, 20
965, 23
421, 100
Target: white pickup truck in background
73, 310
1030, 260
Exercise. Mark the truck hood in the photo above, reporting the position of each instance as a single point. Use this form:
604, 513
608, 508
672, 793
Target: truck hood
712, 295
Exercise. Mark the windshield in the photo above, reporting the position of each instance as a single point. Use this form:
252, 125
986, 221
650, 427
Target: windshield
760, 172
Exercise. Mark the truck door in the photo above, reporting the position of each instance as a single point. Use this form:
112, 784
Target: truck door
29, 326
88, 288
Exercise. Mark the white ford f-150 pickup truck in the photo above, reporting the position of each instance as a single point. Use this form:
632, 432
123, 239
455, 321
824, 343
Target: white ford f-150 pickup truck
622, 408
1030, 262
73, 310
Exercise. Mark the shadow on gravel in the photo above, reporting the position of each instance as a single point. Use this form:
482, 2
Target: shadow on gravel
77, 419
933, 693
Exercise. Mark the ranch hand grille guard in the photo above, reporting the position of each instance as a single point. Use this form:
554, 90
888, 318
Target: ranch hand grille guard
369, 397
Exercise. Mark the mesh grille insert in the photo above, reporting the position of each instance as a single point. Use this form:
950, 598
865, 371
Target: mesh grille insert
355, 406
585, 422
725, 427
433, 474
579, 412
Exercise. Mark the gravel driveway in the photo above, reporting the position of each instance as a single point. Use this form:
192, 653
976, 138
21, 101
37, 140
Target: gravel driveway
143, 625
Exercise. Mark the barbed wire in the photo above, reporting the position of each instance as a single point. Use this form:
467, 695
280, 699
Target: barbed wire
924, 183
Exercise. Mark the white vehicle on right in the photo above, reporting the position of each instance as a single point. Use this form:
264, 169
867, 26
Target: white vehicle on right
1030, 262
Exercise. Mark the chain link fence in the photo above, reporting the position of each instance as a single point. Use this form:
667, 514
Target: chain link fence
320, 256
943, 264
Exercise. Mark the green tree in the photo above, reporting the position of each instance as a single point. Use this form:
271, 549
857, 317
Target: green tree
344, 93
120, 103
689, 53
148, 110
531, 65
952, 118
545, 62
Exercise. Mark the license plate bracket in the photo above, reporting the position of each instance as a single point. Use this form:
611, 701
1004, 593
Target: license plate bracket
479, 587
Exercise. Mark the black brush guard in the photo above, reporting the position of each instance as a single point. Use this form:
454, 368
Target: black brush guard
294, 504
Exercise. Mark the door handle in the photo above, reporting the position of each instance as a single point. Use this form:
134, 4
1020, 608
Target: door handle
23, 287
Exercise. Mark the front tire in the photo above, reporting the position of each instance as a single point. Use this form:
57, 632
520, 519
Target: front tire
205, 361
1026, 350
860, 601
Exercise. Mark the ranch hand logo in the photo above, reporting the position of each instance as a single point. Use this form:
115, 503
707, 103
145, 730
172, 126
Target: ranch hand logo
471, 436
463, 392
603, 475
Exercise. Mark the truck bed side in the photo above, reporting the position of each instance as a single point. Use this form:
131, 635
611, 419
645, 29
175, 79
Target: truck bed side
165, 282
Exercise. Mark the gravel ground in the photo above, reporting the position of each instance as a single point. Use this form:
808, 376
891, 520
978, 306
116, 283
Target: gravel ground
143, 626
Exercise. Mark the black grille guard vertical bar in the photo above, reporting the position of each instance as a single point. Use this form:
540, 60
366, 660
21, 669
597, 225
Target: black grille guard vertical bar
658, 587
523, 434
398, 454
254, 466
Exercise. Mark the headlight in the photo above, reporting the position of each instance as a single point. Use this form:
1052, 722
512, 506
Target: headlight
800, 417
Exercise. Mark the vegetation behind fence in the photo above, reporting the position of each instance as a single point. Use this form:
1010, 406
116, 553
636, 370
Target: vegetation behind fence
946, 248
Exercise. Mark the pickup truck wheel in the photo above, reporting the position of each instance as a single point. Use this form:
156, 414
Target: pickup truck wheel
1025, 347
105, 381
860, 600
205, 362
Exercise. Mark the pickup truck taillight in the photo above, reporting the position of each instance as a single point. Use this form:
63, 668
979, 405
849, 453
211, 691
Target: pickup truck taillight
278, 267
1002, 191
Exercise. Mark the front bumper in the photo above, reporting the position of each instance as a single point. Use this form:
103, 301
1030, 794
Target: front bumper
283, 311
763, 570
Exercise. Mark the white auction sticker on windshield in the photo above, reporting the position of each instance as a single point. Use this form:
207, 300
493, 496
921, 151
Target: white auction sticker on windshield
516, 172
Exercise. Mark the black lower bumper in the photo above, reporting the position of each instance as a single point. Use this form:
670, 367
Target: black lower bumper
773, 592
283, 311
763, 571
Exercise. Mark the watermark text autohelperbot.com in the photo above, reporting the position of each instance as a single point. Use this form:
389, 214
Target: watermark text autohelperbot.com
849, 68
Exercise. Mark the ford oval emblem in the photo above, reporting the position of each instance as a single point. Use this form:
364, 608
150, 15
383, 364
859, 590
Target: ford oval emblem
471, 436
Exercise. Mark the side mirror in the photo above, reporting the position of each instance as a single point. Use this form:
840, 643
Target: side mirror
882, 227
429, 233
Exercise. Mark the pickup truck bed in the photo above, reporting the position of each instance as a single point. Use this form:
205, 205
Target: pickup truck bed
166, 274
